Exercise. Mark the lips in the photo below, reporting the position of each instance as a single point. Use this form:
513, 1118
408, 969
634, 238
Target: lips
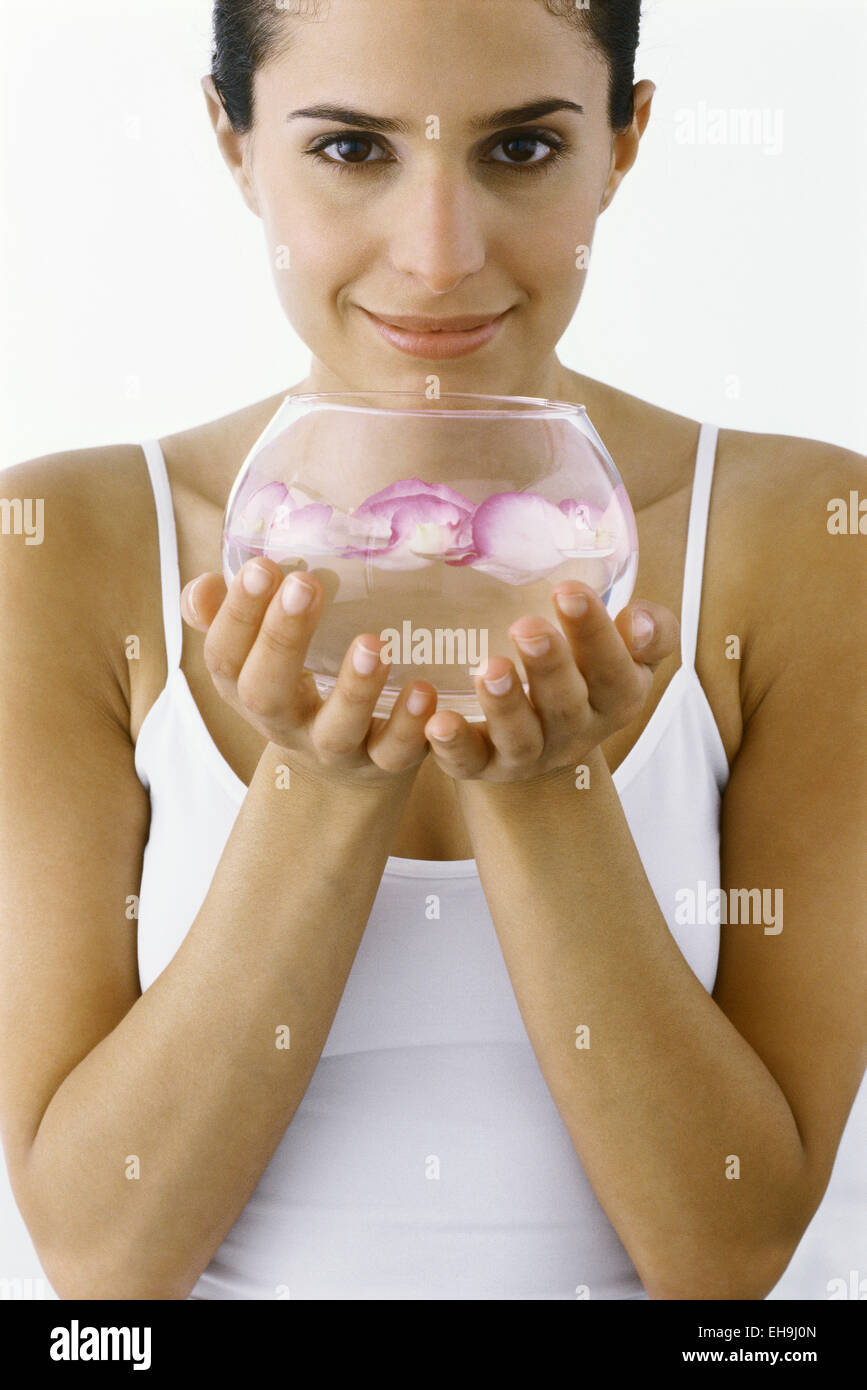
431, 325
443, 341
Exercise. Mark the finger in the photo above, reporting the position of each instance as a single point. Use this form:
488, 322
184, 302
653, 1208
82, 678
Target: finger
461, 749
653, 645
343, 722
617, 687
514, 726
201, 599
273, 683
399, 742
234, 630
558, 696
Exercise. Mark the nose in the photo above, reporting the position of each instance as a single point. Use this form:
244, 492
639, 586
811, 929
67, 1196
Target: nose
437, 233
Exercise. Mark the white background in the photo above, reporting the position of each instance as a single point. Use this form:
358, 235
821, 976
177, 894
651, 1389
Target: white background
728, 282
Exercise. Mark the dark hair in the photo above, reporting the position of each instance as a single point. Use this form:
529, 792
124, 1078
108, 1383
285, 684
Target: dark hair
247, 33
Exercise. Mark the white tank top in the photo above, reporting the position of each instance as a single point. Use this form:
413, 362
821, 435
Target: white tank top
427, 1159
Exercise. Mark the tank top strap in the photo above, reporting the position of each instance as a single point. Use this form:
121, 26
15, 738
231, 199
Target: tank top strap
696, 538
170, 574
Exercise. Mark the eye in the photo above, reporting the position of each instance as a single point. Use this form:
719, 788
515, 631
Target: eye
351, 139
557, 148
555, 145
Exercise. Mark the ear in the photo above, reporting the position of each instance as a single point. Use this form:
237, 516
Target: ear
233, 147
625, 148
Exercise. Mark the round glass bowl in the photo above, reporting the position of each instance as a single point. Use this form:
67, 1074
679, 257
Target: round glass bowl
435, 523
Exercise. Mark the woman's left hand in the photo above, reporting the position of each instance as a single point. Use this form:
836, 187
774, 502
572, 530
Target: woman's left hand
584, 687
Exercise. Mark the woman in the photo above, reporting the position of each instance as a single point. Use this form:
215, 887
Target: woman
437, 1019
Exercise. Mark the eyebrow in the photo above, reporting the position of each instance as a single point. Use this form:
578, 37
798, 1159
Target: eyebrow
495, 120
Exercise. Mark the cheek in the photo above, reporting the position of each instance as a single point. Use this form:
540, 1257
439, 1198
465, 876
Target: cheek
293, 215
310, 252
553, 251
566, 225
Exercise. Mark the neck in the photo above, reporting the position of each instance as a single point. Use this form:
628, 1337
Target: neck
550, 381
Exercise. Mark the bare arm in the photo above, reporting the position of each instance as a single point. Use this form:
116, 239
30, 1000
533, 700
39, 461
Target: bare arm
708, 1124
187, 1077
196, 1080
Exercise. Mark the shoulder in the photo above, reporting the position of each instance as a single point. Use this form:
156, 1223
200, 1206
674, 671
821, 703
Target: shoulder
777, 500
91, 501
782, 471
787, 526
77, 480
785, 495
757, 467
88, 500
73, 529
790, 511
752, 469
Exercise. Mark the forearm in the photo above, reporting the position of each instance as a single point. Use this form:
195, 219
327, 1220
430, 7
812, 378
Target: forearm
197, 1081
667, 1090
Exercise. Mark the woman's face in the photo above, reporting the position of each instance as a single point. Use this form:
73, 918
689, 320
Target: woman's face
440, 217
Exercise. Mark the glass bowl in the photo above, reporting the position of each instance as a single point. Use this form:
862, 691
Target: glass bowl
434, 522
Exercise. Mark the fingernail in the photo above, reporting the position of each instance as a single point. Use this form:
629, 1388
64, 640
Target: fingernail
255, 578
642, 629
533, 646
295, 595
191, 602
417, 701
573, 605
444, 738
499, 686
364, 660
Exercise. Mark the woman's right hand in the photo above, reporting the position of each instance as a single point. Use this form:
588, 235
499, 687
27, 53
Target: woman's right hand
255, 650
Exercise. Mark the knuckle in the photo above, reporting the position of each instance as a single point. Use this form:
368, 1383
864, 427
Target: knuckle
279, 641
519, 745
563, 712
240, 611
254, 699
633, 700
330, 747
402, 737
385, 761
608, 681
523, 750
355, 696
220, 666
334, 757
395, 750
